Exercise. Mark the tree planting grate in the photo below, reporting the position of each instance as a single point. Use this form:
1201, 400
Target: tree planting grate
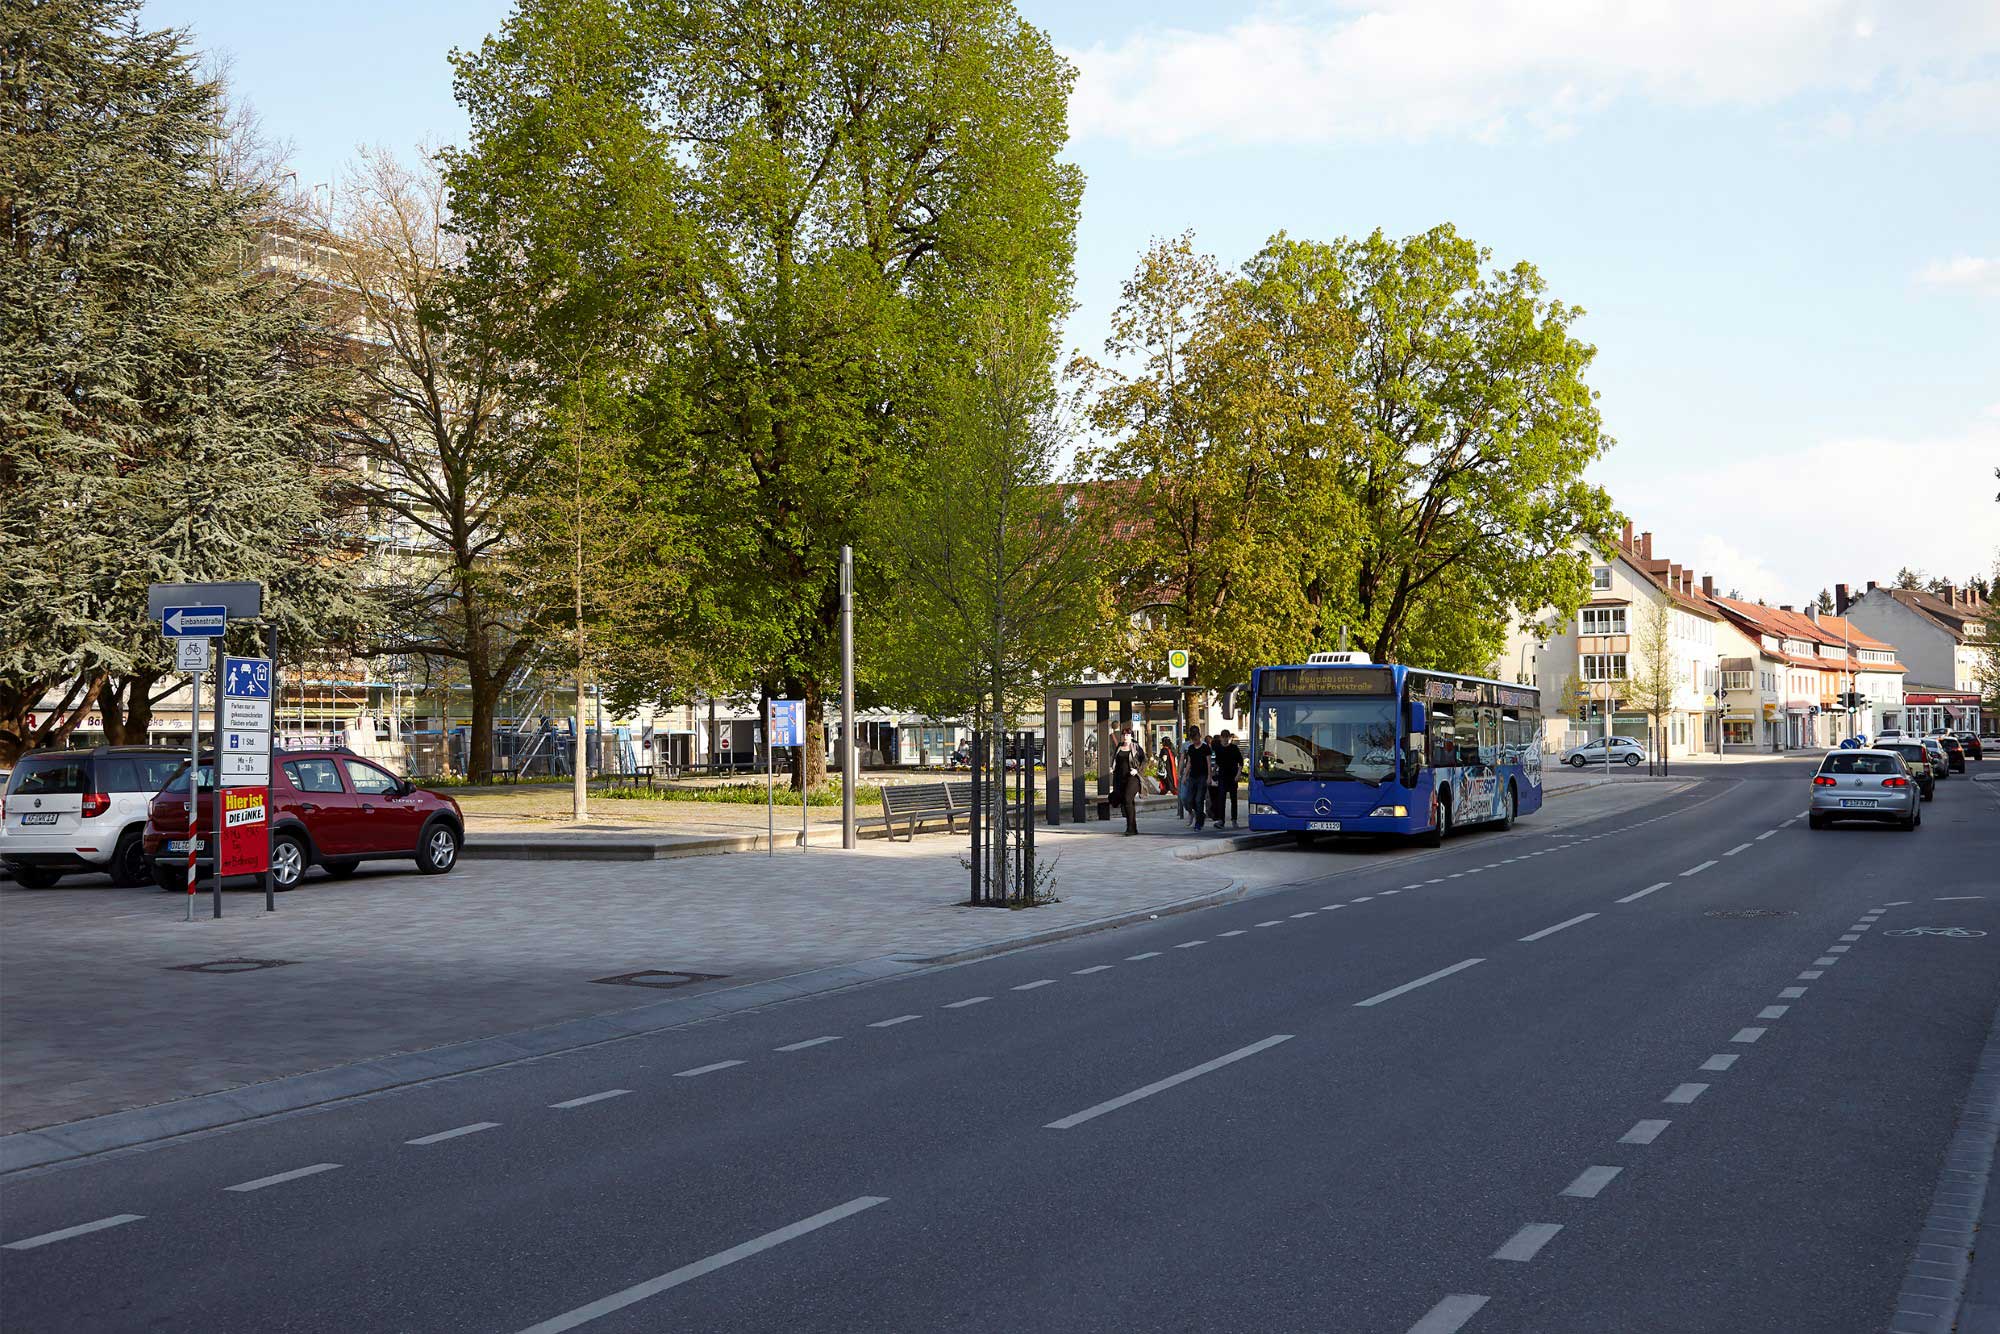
1750, 914
231, 965
659, 979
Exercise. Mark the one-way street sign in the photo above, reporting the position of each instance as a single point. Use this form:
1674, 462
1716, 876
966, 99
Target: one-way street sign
194, 622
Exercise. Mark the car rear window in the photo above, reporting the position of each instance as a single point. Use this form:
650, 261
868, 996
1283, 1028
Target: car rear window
137, 773
1854, 763
40, 775
1916, 754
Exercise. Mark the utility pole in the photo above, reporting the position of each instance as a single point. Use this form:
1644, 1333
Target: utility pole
848, 777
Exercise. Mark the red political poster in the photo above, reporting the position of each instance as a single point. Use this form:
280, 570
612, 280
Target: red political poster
246, 846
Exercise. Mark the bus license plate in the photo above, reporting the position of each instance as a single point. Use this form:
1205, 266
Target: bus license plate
47, 817
1324, 826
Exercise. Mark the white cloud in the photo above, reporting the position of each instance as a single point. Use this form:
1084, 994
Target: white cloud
1364, 71
1781, 525
1972, 272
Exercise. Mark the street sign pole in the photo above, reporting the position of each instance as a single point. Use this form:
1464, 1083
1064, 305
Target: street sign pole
270, 785
194, 774
215, 866
847, 752
770, 780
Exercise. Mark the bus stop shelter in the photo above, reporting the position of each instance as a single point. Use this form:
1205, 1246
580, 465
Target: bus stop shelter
1142, 704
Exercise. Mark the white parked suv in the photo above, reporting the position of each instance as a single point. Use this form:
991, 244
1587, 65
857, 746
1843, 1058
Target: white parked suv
1624, 750
69, 812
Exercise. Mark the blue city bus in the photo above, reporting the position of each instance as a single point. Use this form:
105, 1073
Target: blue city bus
1342, 745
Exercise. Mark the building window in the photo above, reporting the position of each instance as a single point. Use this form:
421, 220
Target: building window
1604, 666
1600, 578
1604, 620
1736, 680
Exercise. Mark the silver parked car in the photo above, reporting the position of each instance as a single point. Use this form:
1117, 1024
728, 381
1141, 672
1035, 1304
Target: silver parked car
1864, 785
1624, 750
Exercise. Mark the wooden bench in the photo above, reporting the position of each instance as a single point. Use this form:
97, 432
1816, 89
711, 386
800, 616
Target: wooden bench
910, 804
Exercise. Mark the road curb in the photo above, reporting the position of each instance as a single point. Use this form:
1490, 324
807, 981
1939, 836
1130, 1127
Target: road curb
1229, 893
1952, 1282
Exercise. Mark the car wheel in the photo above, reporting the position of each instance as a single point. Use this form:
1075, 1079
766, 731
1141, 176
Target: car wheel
1631, 761
36, 877
129, 863
1576, 761
171, 877
289, 860
343, 868
440, 850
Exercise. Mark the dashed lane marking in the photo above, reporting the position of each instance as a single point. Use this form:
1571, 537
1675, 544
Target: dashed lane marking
1038, 982
809, 1042
280, 1178
1224, 935
891, 1023
1773, 1012
1524, 1245
1838, 949
1275, 921
1684, 1093
1766, 834
1825, 961
1740, 847
1159, 1086
1697, 870
1094, 968
1590, 1182
1749, 1034
81, 1229
1812, 974
1189, 944
969, 1000
1450, 1314
713, 1066
1423, 981
1307, 913
1791, 993
587, 1099
1631, 898
1720, 1061
1551, 930
1643, 1132
443, 1135
1149, 954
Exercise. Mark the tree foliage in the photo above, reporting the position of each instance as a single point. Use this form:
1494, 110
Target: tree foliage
163, 394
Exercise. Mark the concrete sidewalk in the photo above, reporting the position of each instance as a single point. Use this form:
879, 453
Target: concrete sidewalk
110, 1001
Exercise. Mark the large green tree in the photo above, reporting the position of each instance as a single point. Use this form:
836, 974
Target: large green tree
801, 202
163, 397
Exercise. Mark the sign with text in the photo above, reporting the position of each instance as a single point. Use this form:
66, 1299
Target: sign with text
246, 845
243, 749
788, 722
199, 622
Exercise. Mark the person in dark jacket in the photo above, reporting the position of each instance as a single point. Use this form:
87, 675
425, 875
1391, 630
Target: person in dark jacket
1226, 763
1196, 758
1126, 763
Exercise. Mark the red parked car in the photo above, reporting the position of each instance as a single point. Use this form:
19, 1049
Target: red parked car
329, 809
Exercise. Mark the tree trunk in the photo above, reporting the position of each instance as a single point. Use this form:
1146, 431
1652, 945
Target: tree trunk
809, 769
479, 755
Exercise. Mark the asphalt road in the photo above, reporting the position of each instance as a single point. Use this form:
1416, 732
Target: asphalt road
1671, 1070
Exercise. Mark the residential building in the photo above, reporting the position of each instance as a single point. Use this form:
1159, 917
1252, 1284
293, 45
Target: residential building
1938, 637
1819, 659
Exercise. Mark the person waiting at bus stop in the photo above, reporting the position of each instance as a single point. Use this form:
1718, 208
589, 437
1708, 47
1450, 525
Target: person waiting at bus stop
1226, 763
1126, 763
1194, 778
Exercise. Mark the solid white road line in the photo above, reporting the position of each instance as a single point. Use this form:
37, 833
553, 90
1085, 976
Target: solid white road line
1589, 1182
1158, 1086
1094, 968
454, 1133
1449, 1316
728, 1065
1684, 1093
1423, 981
638, 1292
1551, 930
1748, 1034
1773, 1012
280, 1178
1791, 993
969, 1000
587, 1099
64, 1234
1720, 1061
1644, 892
1697, 870
1039, 982
1643, 1132
1523, 1245
891, 1023
809, 1042
1149, 954
1740, 847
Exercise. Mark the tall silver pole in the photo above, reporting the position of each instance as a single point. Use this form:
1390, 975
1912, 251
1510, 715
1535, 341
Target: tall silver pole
848, 776
770, 785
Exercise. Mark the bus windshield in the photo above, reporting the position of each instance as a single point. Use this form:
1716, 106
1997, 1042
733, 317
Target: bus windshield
1351, 738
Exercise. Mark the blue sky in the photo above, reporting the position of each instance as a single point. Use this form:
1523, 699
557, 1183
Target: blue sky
1783, 220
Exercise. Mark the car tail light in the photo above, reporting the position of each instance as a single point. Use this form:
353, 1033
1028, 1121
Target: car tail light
1895, 782
1821, 780
96, 804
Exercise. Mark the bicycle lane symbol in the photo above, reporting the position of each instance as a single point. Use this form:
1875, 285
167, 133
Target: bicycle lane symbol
1948, 932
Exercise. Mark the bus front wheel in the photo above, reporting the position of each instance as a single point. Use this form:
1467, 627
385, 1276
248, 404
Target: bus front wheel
1440, 823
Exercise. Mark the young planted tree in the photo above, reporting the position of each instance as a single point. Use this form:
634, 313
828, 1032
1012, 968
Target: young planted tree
164, 397
439, 450
1653, 671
